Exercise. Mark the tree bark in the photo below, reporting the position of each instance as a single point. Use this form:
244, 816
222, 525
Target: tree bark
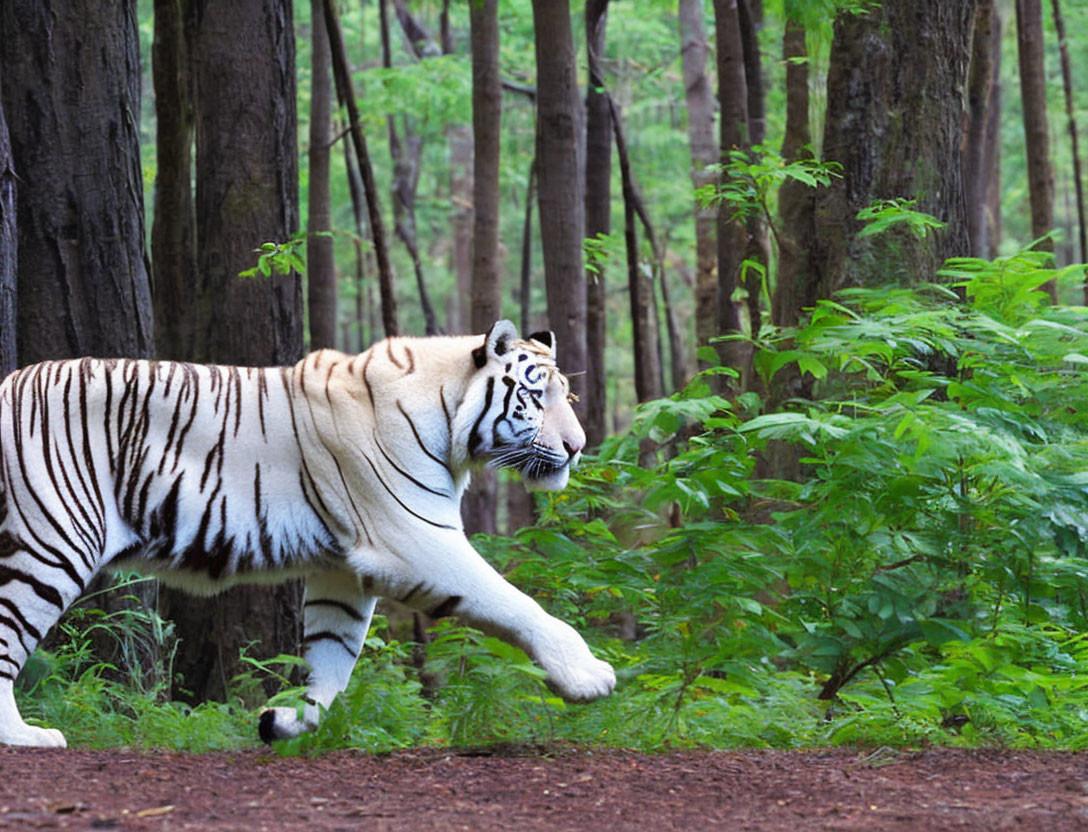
320, 255
598, 217
346, 94
246, 194
560, 156
525, 292
83, 284
1070, 112
173, 245
704, 152
1031, 50
9, 252
733, 132
896, 85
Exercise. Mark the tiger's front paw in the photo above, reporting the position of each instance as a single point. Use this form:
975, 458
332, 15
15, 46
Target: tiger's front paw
585, 681
283, 724
30, 735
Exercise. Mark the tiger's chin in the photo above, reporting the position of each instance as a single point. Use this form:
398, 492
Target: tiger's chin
554, 479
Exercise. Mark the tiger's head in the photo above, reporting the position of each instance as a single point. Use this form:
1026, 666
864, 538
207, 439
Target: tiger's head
516, 412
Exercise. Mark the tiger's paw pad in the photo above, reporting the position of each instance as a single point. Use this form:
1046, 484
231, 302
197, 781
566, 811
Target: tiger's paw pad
31, 736
281, 724
592, 679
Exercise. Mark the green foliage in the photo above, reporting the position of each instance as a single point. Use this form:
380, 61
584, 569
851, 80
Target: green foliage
888, 213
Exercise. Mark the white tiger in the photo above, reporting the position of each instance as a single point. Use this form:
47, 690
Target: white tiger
345, 470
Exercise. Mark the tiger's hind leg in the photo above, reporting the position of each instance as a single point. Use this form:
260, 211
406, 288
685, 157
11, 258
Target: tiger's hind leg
32, 598
336, 615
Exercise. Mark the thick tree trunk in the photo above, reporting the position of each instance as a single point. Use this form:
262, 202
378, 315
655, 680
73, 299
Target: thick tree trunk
70, 85
346, 93
246, 194
9, 251
979, 93
320, 256
560, 156
896, 86
598, 217
173, 247
704, 152
83, 284
733, 133
1070, 112
1031, 51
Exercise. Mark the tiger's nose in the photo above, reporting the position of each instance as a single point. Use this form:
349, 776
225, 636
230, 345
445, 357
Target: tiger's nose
573, 449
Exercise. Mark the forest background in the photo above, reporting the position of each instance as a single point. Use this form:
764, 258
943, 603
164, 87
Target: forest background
857, 518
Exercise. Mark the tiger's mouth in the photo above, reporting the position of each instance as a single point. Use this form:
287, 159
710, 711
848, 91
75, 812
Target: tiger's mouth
531, 461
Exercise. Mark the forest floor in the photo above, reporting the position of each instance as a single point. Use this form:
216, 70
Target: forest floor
546, 789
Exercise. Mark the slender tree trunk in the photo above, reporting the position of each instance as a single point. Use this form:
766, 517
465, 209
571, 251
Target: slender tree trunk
525, 294
897, 83
598, 217
560, 171
979, 92
462, 151
704, 152
1070, 111
1031, 50
486, 123
320, 256
640, 288
346, 93
246, 193
991, 162
479, 506
733, 135
9, 252
173, 246
362, 258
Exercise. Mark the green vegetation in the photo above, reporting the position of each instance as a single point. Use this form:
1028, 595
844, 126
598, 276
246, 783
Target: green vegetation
925, 580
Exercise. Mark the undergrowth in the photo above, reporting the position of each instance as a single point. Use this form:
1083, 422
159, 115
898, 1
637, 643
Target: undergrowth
922, 579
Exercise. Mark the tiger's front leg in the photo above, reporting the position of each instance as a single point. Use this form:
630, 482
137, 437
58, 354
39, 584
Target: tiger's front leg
336, 616
451, 578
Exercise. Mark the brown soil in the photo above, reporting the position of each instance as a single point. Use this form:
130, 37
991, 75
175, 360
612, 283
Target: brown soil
566, 789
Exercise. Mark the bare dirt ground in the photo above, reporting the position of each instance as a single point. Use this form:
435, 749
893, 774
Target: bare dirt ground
541, 789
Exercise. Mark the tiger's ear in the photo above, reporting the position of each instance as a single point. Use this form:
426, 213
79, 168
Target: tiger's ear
496, 342
547, 338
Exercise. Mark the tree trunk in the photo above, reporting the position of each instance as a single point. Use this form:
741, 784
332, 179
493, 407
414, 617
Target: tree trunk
795, 288
991, 162
246, 194
346, 94
173, 246
83, 284
70, 87
733, 131
320, 255
560, 181
525, 291
647, 349
704, 152
1031, 51
9, 252
598, 217
896, 86
362, 258
1070, 112
462, 150
479, 506
979, 93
